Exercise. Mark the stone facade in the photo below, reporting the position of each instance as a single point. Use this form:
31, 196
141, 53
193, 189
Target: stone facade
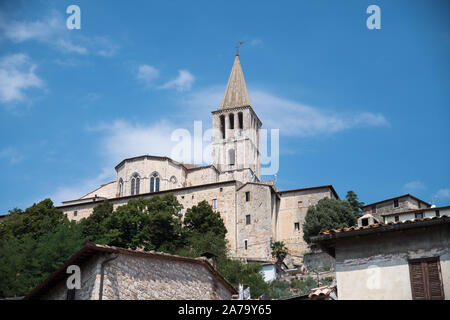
135, 275
394, 205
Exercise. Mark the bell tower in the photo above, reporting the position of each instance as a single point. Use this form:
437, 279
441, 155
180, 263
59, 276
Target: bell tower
236, 127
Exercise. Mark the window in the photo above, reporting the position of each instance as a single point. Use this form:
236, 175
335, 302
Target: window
374, 209
418, 204
419, 215
397, 218
426, 279
180, 210
365, 222
70, 294
245, 244
438, 214
231, 117
247, 196
221, 189
75, 213
395, 203
247, 219
120, 187
214, 203
154, 182
231, 157
241, 120
300, 204
222, 126
135, 184
297, 226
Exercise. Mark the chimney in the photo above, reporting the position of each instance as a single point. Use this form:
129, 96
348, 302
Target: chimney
367, 220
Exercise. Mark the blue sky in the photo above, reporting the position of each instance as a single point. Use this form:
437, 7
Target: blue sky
363, 110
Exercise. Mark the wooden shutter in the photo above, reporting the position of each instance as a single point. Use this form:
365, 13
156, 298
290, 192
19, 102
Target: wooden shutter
436, 291
426, 280
417, 280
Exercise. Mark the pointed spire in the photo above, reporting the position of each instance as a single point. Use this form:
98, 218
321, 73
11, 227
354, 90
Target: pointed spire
236, 94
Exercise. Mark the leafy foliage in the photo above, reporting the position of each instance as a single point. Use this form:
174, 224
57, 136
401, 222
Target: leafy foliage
352, 199
325, 215
33, 244
279, 251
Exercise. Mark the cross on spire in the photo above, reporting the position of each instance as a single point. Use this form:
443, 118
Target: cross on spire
239, 43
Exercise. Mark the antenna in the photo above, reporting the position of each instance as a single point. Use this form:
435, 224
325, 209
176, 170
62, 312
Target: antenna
239, 44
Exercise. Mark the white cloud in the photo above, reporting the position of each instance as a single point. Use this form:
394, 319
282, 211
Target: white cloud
443, 193
413, 186
255, 42
147, 74
291, 117
52, 31
17, 74
80, 188
11, 155
183, 82
123, 139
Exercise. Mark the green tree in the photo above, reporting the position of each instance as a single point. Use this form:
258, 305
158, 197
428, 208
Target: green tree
327, 214
33, 244
352, 199
279, 251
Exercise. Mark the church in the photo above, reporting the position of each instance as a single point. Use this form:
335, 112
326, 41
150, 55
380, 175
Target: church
255, 213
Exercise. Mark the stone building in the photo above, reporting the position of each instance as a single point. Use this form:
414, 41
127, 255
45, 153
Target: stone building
394, 205
255, 213
401, 260
111, 273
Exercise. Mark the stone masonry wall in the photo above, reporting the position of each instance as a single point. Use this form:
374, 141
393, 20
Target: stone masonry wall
138, 278
293, 208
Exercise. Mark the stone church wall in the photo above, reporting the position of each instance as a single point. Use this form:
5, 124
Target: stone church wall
259, 232
293, 208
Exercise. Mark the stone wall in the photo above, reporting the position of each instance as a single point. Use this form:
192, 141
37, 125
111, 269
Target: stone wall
293, 208
139, 278
135, 277
259, 232
318, 261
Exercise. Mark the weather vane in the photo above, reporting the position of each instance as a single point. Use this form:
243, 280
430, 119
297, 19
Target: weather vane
237, 47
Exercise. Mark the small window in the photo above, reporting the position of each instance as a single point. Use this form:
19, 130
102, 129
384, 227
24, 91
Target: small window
75, 213
222, 126
214, 203
247, 196
231, 121
221, 189
247, 219
245, 244
182, 197
397, 218
374, 209
241, 120
300, 204
438, 214
297, 226
419, 215
365, 222
395, 203
418, 204
180, 210
231, 157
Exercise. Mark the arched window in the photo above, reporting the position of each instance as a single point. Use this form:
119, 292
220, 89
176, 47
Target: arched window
154, 182
135, 184
222, 126
241, 120
231, 117
120, 187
